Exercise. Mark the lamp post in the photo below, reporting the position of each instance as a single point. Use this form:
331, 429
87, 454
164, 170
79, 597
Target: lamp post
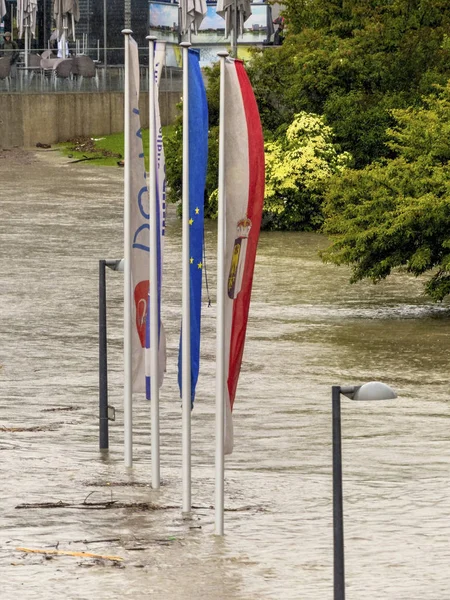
106, 412
105, 37
373, 390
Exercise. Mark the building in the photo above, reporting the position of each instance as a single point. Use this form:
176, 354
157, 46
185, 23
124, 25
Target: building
120, 14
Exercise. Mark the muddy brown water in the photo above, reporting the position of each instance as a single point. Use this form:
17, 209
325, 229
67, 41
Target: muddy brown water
308, 330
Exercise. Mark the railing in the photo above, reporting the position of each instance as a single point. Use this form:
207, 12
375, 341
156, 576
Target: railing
46, 79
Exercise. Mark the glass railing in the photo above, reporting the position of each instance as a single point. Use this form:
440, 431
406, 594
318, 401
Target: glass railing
34, 74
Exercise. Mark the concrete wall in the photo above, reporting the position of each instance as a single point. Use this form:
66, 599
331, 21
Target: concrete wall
26, 119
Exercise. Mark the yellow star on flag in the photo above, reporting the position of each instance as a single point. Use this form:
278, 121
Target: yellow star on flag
200, 265
191, 260
197, 210
191, 221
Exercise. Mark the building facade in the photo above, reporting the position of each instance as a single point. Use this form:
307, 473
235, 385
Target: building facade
91, 28
120, 14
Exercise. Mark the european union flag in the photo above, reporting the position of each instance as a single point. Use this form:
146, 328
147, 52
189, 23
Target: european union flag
198, 159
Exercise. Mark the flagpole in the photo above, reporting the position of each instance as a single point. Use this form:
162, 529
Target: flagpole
220, 327
26, 47
154, 304
186, 298
234, 33
65, 27
105, 37
128, 394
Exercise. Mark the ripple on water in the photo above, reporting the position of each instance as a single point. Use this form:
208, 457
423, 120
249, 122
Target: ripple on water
308, 329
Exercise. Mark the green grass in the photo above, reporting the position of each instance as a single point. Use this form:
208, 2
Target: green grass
110, 143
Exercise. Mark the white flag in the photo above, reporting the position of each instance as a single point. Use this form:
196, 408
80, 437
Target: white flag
140, 227
140, 240
158, 152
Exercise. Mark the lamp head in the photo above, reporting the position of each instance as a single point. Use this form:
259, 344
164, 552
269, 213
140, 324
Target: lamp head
116, 264
373, 390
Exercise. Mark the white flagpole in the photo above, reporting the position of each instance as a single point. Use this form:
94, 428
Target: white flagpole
26, 47
220, 327
127, 348
186, 301
154, 316
105, 36
65, 27
234, 33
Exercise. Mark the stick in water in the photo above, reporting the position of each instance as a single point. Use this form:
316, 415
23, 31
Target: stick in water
69, 553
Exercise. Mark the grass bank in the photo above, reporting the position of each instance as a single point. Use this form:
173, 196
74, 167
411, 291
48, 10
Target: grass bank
106, 150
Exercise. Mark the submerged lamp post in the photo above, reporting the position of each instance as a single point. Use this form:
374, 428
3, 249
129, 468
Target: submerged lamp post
373, 390
106, 413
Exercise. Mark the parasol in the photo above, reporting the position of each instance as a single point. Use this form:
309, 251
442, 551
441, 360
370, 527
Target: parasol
192, 14
235, 13
65, 12
26, 20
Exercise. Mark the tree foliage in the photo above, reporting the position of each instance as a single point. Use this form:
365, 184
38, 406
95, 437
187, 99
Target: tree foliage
396, 213
298, 163
353, 61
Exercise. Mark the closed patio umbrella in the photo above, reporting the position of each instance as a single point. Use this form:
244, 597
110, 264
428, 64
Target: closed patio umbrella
2, 9
58, 14
66, 11
235, 13
192, 14
26, 16
72, 9
26, 20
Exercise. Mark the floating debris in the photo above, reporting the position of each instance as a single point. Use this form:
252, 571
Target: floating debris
32, 429
87, 144
61, 409
138, 506
70, 553
116, 484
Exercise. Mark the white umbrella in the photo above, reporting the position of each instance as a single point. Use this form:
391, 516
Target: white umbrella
66, 11
192, 14
2, 9
235, 13
58, 14
26, 19
26, 16
72, 9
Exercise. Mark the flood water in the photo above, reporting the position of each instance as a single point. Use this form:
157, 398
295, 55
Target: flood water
308, 330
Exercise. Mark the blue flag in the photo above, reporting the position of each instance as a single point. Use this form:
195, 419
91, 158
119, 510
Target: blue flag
198, 159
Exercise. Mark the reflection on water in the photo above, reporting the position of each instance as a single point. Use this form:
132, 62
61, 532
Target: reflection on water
308, 330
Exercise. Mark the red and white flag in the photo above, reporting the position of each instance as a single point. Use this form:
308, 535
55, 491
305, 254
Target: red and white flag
243, 201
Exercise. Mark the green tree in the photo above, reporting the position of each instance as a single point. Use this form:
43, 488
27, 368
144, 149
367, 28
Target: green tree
396, 213
353, 61
298, 163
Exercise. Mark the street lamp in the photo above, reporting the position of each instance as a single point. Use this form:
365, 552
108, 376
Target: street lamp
373, 390
106, 412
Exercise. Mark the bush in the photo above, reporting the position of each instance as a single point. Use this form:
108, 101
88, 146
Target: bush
299, 162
